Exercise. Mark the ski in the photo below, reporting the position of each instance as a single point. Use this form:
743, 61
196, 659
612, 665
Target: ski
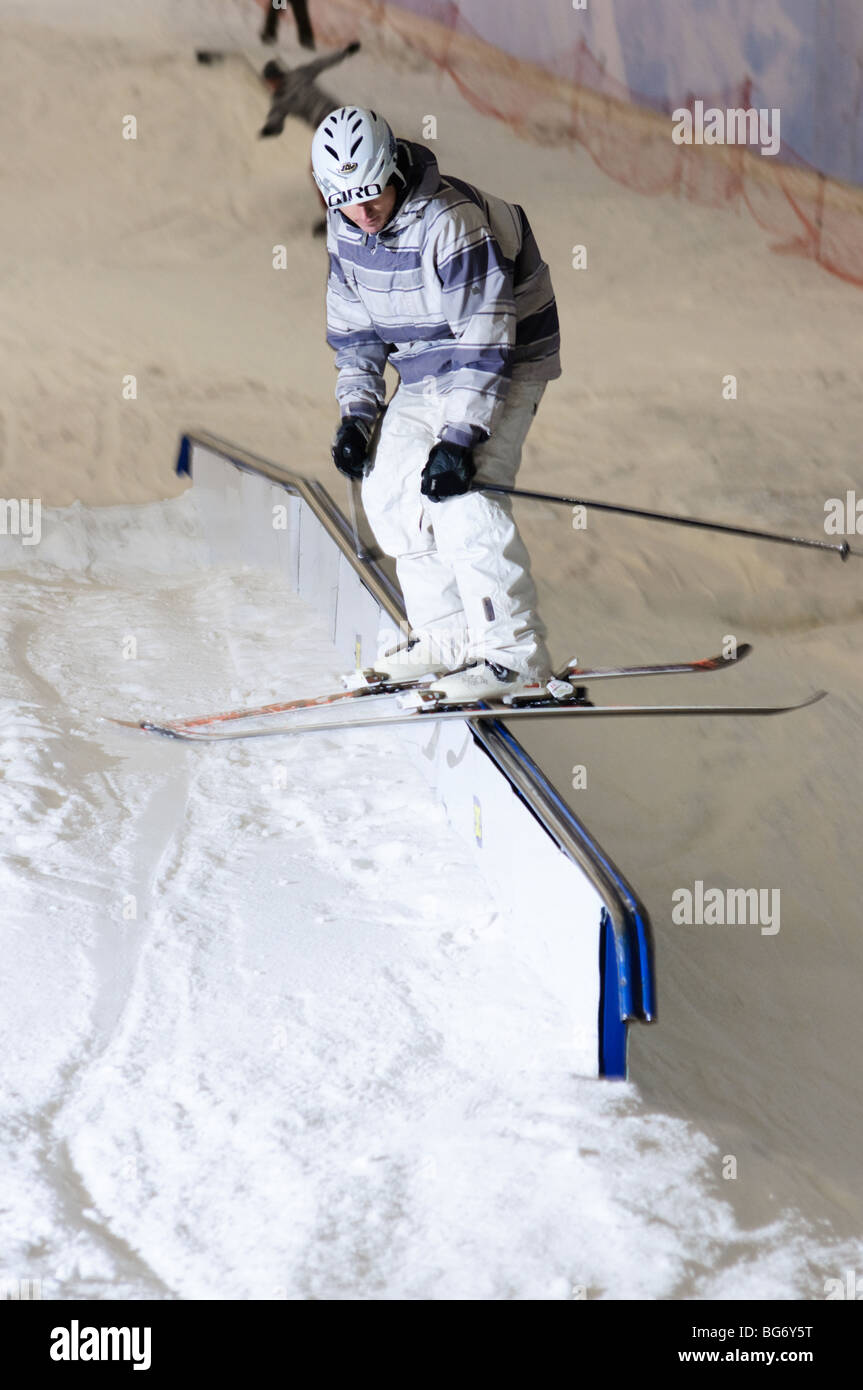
585, 674
376, 685
676, 668
435, 711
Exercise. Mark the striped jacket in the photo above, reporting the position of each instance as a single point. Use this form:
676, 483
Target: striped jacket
453, 288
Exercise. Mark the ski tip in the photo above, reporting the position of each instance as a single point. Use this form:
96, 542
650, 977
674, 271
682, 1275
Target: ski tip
812, 699
716, 663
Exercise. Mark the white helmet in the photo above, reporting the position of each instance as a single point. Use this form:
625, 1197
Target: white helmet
353, 156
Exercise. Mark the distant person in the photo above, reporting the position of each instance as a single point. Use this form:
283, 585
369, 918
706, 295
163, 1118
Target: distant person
446, 283
269, 33
296, 92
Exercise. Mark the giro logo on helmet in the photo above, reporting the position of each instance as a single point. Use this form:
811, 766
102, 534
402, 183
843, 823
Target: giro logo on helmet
353, 146
353, 195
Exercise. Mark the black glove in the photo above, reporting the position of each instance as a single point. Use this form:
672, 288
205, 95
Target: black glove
351, 447
353, 47
448, 472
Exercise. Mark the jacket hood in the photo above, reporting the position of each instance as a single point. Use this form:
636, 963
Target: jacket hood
418, 167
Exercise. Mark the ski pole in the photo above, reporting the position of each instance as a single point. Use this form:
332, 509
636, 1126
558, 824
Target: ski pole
361, 552
843, 549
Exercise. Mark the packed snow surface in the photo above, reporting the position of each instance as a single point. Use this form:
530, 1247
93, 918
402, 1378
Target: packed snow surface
263, 1033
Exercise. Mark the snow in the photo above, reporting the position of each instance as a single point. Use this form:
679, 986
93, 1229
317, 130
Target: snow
264, 1035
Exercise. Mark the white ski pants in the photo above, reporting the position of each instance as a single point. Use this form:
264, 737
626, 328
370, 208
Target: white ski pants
462, 566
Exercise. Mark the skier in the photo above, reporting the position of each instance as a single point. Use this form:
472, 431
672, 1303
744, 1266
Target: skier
447, 283
296, 92
269, 32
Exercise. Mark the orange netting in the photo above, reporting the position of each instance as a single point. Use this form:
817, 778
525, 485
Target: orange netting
627, 136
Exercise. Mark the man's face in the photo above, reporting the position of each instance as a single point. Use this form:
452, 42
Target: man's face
372, 216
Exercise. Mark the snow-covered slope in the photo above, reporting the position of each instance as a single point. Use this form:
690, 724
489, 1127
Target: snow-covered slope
263, 1036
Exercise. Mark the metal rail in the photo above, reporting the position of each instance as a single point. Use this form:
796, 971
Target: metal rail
626, 912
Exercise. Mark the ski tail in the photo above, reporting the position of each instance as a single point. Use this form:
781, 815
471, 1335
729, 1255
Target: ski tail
374, 685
